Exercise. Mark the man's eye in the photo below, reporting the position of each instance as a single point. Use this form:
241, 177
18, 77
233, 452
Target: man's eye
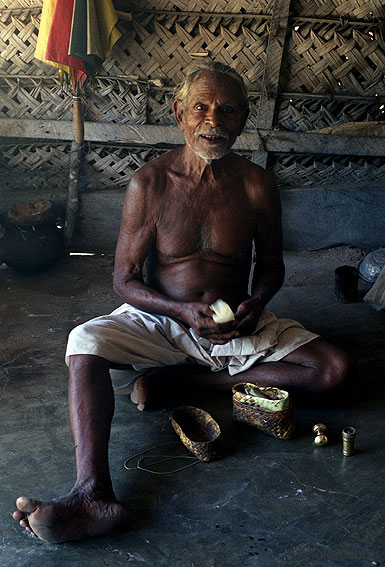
199, 107
227, 109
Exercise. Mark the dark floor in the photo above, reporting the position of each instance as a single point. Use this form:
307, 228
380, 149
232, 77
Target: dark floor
267, 502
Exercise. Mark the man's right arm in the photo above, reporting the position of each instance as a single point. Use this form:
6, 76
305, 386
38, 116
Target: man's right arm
136, 238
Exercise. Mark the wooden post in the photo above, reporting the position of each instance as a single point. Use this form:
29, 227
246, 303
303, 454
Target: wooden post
75, 167
274, 54
73, 193
78, 118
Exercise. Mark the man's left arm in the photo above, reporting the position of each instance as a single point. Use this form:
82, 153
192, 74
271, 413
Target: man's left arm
269, 269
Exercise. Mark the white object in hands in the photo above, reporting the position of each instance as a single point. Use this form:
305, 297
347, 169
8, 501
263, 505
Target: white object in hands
222, 311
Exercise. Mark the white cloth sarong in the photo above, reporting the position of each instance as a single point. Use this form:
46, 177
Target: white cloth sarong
145, 341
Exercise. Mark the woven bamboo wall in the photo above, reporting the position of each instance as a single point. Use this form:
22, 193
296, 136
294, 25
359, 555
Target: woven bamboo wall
333, 72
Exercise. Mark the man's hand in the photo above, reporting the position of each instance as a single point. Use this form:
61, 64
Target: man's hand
247, 316
199, 317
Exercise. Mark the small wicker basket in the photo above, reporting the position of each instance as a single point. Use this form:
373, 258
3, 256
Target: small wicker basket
277, 421
198, 431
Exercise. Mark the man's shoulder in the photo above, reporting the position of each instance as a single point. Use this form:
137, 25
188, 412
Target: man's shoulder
253, 172
154, 170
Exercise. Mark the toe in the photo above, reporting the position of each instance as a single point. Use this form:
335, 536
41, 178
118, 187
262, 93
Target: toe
27, 505
134, 397
137, 401
29, 531
18, 515
24, 524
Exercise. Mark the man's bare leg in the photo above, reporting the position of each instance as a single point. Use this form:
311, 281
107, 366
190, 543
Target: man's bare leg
90, 508
313, 368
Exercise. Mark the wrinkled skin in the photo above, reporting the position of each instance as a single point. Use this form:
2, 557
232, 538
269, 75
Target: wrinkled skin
193, 214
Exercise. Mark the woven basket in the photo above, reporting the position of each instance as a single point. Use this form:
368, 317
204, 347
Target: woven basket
198, 431
277, 423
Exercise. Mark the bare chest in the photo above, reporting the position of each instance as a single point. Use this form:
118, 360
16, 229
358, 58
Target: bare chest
221, 221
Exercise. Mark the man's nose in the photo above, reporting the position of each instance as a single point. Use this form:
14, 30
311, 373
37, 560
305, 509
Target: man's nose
213, 117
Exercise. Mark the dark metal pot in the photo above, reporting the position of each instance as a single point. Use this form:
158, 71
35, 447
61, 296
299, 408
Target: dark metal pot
32, 242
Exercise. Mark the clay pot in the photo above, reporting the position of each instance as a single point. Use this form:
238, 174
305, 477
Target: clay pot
32, 241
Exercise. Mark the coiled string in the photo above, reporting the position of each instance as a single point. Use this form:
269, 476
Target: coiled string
163, 458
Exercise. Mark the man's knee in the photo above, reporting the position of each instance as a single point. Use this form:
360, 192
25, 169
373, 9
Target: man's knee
333, 369
83, 334
84, 340
327, 366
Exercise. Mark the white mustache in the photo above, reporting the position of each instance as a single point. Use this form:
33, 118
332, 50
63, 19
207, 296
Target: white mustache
217, 132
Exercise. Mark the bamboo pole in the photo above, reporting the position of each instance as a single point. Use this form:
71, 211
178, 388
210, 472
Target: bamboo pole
75, 167
78, 119
73, 193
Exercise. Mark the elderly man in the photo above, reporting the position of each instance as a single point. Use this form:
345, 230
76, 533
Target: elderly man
192, 216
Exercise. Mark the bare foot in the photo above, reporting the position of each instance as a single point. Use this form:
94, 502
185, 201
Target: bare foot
160, 388
141, 393
75, 516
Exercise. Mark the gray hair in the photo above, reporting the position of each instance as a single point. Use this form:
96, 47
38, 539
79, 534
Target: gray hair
181, 92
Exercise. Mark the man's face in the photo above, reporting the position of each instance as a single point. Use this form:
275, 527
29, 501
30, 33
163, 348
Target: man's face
212, 118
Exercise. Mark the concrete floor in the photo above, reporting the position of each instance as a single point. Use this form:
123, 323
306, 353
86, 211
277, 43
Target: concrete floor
267, 502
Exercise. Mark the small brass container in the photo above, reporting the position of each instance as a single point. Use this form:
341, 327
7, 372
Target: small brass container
348, 438
321, 440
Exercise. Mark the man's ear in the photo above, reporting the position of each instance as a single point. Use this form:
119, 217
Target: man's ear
178, 108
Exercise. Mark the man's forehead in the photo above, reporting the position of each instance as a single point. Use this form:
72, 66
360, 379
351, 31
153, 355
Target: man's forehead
215, 81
